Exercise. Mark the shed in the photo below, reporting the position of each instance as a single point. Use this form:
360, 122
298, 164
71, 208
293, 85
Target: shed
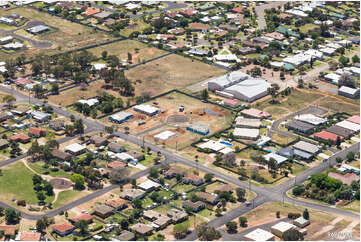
281, 227
259, 235
301, 222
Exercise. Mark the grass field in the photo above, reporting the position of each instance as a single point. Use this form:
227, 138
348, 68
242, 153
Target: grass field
305, 28
355, 163
341, 105
66, 197
170, 72
68, 36
282, 140
16, 183
122, 48
38, 167
297, 100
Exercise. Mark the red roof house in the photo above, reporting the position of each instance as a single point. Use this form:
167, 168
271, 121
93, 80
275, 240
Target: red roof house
198, 27
84, 216
187, 12
237, 9
354, 119
90, 11
325, 135
116, 164
37, 132
255, 113
23, 81
63, 229
346, 179
23, 138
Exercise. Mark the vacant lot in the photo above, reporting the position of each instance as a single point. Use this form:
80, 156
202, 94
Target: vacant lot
298, 99
337, 104
170, 72
68, 35
139, 51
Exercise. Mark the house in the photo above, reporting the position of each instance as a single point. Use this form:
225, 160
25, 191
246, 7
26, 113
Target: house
75, 149
346, 179
151, 215
98, 140
285, 31
192, 179
328, 51
9, 230
136, 155
20, 110
301, 222
207, 197
142, 229
349, 92
149, 185
116, 147
22, 138
132, 194
255, 113
275, 35
40, 116
246, 133
195, 206
187, 12
103, 211
349, 125
278, 158
199, 27
60, 155
146, 109
198, 128
116, 164
162, 222
57, 124
7, 21
38, 29
36, 132
340, 131
242, 122
297, 60
306, 147
213, 145
29, 236
173, 172
281, 227
326, 136
83, 216
6, 39
247, 50
259, 235
300, 126
120, 117
224, 188
21, 82
126, 236
91, 11
176, 215
197, 52
4, 116
103, 14
117, 203
286, 152
3, 144
165, 135
354, 119
90, 102
63, 229
310, 119
237, 9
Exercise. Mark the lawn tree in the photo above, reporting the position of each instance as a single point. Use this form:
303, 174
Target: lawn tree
355, 59
218, 212
231, 227
104, 54
343, 60
292, 235
229, 159
347, 80
82, 225
11, 216
153, 172
41, 197
79, 181
207, 233
208, 177
350, 156
241, 193
34, 150
306, 214
137, 203
180, 230
242, 221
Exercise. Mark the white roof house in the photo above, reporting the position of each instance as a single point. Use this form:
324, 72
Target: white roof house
14, 45
349, 125
296, 12
259, 235
90, 102
333, 45
349, 91
132, 6
99, 66
6, 39
226, 150
124, 157
75, 148
164, 135
213, 145
328, 50
333, 77
246, 133
278, 64
146, 109
226, 58
356, 71
148, 184
278, 158
314, 53
297, 60
310, 118
249, 90
120, 116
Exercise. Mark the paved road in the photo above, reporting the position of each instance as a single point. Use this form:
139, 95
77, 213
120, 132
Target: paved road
260, 12
36, 43
263, 194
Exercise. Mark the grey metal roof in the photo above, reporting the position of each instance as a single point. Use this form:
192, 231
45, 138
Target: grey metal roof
250, 87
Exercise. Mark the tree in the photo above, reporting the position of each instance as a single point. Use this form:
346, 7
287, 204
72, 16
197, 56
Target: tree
207, 233
350, 156
300, 83
292, 235
41, 225
153, 172
180, 230
11, 216
8, 99
118, 175
343, 60
104, 54
41, 197
338, 142
137, 203
48, 188
347, 80
355, 59
306, 214
230, 159
78, 180
241, 193
82, 225
231, 227
242, 221
208, 177
278, 214
205, 94
37, 179
218, 212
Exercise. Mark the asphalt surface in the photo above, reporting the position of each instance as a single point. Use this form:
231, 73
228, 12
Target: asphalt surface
277, 193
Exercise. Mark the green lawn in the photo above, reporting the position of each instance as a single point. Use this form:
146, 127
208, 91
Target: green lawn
179, 188
16, 183
38, 167
298, 168
355, 163
207, 213
353, 206
305, 28
66, 197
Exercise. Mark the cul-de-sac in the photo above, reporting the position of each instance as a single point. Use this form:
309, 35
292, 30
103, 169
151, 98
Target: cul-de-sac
179, 120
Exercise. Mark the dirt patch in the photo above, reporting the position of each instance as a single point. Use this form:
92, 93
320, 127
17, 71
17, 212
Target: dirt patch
59, 183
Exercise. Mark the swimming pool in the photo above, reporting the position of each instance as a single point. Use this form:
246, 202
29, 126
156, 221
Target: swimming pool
226, 143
